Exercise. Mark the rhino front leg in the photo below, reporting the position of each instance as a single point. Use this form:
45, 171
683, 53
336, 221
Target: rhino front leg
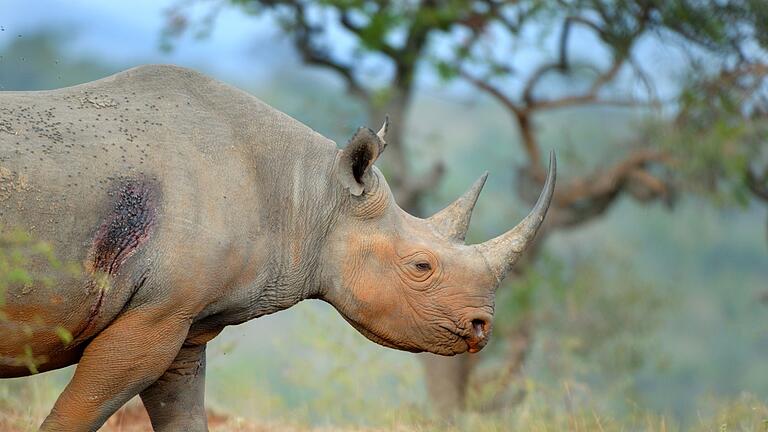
176, 401
125, 358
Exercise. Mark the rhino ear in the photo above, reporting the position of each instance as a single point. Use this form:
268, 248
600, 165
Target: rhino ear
356, 159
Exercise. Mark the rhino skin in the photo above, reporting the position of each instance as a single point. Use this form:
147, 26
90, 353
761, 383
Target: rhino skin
190, 206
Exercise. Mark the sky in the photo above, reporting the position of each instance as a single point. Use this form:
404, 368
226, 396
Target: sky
129, 33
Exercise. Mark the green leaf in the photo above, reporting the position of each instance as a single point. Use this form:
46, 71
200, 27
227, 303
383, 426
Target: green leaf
18, 276
446, 71
64, 335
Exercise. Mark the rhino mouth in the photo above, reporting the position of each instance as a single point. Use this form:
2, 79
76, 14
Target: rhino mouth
457, 345
475, 335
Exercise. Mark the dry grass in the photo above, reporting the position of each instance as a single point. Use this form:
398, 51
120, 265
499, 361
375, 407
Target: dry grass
740, 414
133, 418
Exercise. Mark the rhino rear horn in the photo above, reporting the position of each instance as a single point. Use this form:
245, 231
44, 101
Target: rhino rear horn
453, 221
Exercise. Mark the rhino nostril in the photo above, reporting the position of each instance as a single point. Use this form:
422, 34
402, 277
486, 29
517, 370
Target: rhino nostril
478, 334
478, 329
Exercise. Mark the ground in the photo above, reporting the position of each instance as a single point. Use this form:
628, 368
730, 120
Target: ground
133, 418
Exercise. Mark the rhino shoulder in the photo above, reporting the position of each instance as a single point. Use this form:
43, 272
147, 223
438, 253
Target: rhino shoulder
152, 78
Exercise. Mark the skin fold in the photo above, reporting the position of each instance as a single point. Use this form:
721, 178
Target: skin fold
190, 206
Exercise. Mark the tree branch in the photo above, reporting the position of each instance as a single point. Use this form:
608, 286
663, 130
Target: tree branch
587, 99
564, 36
522, 116
590, 97
495, 92
758, 185
534, 79
346, 22
314, 56
519, 341
586, 22
412, 188
582, 199
606, 180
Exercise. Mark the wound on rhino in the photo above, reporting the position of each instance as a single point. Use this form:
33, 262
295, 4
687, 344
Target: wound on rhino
128, 225
201, 207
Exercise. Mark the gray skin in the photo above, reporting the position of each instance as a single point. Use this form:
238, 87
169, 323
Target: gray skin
191, 206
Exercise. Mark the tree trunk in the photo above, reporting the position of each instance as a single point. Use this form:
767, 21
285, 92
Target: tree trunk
447, 380
519, 343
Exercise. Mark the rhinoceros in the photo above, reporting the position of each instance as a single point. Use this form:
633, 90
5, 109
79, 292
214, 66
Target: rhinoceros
189, 206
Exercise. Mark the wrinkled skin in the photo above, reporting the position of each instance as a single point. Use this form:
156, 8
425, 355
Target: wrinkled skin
191, 206
434, 290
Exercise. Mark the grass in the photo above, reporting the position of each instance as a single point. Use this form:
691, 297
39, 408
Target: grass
24, 404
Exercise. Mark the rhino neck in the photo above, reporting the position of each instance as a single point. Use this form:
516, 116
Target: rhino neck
298, 206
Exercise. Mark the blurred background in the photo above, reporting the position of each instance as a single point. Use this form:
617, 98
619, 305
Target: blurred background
644, 303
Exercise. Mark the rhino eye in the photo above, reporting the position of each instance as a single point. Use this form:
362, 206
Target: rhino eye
423, 266
419, 267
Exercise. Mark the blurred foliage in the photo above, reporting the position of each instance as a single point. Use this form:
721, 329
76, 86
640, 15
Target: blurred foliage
721, 134
368, 379
598, 318
594, 324
17, 248
24, 263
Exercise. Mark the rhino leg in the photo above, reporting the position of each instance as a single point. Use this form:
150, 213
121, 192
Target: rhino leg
125, 358
176, 401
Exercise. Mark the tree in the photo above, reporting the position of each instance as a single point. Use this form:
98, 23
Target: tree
477, 41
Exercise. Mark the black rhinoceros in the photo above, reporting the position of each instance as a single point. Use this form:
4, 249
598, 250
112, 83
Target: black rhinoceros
192, 206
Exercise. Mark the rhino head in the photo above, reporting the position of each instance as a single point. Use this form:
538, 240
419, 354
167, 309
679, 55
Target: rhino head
411, 283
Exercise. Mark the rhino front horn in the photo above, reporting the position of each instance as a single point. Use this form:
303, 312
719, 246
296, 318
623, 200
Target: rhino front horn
453, 221
502, 252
